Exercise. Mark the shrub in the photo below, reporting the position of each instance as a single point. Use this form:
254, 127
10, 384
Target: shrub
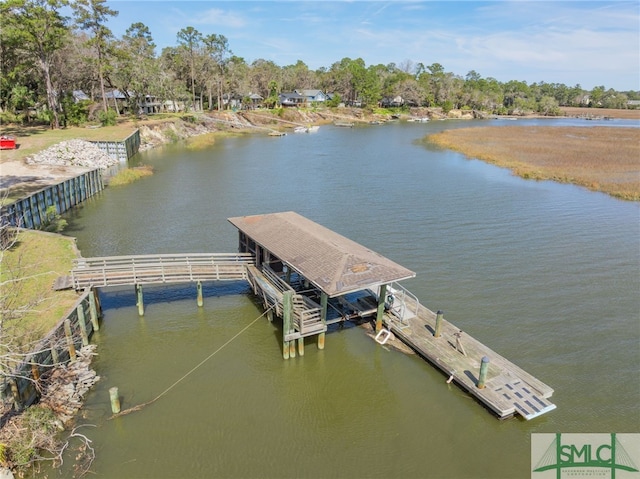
107, 118
53, 222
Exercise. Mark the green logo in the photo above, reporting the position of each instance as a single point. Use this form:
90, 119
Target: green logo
585, 455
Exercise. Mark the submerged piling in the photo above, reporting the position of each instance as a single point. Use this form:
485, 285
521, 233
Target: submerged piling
115, 400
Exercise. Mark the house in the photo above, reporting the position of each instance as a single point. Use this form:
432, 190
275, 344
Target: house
79, 95
255, 100
232, 101
392, 101
313, 96
291, 99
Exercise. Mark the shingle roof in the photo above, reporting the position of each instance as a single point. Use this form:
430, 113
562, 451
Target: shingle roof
333, 263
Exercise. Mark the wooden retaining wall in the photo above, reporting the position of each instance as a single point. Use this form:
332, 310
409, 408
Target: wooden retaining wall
30, 212
122, 150
59, 346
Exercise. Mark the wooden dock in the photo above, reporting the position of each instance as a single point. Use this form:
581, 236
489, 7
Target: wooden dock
312, 277
507, 390
159, 269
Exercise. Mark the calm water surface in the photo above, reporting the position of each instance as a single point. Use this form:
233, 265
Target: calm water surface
548, 275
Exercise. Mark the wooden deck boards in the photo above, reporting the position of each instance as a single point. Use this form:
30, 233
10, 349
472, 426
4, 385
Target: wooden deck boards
158, 269
508, 389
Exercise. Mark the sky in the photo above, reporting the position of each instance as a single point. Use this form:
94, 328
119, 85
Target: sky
586, 43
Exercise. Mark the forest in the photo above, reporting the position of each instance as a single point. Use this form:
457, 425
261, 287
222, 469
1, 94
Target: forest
46, 56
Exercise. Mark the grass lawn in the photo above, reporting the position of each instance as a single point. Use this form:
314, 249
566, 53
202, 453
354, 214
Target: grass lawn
27, 272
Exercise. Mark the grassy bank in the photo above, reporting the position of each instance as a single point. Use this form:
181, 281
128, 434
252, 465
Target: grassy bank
598, 158
28, 271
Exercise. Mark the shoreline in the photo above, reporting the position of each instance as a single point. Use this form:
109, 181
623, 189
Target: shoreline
19, 179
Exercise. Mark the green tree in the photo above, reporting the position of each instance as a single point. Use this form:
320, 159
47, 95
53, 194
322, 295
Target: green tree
135, 65
38, 31
217, 53
92, 16
190, 39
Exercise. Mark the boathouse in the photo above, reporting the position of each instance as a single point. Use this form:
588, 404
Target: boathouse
315, 275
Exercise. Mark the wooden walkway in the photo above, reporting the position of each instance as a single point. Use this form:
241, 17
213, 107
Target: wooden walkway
307, 317
159, 269
508, 389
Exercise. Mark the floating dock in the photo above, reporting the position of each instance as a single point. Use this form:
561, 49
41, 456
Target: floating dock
505, 388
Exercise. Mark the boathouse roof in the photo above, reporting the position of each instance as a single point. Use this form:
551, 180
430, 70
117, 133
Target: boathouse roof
334, 264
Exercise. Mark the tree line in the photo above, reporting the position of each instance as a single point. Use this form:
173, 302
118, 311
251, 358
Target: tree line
46, 56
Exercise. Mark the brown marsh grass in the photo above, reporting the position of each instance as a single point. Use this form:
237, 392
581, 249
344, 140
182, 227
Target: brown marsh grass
598, 158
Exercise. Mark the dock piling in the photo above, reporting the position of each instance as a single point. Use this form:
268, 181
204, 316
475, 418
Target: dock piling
115, 400
438, 329
199, 291
484, 367
380, 313
140, 300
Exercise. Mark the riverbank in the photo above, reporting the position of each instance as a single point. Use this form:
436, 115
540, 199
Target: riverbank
18, 179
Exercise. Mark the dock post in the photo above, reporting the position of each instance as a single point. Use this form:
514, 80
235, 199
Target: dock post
286, 324
199, 290
69, 336
83, 325
438, 329
301, 346
324, 299
93, 309
482, 377
380, 313
115, 400
139, 301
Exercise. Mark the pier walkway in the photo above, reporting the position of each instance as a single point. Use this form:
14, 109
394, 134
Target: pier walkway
158, 269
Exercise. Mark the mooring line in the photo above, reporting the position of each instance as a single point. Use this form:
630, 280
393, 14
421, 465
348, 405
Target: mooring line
140, 406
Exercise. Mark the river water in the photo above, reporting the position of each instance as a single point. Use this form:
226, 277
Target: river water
548, 275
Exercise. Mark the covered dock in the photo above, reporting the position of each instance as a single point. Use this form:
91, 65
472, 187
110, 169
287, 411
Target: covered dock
312, 276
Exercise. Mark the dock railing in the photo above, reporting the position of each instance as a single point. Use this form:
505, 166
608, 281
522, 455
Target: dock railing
402, 304
158, 269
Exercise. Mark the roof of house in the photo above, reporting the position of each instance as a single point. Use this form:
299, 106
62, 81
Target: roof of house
309, 93
291, 94
334, 264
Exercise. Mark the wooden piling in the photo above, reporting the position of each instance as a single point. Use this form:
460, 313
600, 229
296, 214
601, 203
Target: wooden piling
93, 310
115, 400
69, 336
139, 300
199, 292
484, 367
286, 324
82, 324
380, 313
437, 331
324, 300
301, 346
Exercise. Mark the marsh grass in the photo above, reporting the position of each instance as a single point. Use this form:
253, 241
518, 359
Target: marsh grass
599, 158
129, 175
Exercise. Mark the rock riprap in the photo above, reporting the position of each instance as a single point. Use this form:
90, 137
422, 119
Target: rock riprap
73, 153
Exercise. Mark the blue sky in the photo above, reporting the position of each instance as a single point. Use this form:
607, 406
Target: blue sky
590, 43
